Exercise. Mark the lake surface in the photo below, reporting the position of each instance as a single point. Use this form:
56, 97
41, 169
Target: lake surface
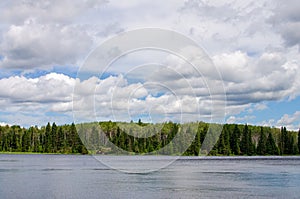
75, 176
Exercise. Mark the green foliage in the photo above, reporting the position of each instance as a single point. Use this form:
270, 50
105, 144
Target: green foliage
235, 140
127, 139
298, 144
192, 139
271, 148
49, 139
262, 147
247, 147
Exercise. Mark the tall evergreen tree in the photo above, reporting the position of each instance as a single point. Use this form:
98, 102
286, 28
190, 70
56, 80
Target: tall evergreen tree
26, 141
261, 147
235, 140
203, 132
221, 144
252, 149
54, 138
247, 146
60, 139
271, 148
48, 140
293, 149
14, 144
284, 149
245, 141
298, 141
227, 150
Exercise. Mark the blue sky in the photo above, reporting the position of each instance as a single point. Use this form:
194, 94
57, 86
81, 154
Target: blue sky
253, 45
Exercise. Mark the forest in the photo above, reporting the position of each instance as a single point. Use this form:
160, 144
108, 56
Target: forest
190, 139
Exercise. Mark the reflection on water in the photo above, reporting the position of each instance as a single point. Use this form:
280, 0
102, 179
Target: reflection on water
71, 176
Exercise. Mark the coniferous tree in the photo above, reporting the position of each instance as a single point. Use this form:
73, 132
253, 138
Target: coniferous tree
221, 144
247, 147
252, 148
60, 139
235, 141
227, 150
194, 148
261, 147
64, 139
284, 141
25, 141
244, 146
298, 141
36, 140
203, 132
47, 138
13, 143
271, 148
54, 138
293, 149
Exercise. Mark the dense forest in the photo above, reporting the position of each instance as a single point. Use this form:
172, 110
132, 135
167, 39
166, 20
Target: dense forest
49, 139
192, 139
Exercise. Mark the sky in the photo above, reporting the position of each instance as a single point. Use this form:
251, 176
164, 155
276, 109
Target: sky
253, 46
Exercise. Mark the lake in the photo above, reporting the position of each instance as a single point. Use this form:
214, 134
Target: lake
76, 176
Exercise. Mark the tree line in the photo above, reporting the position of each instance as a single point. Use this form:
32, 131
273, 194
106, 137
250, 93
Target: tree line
48, 139
192, 139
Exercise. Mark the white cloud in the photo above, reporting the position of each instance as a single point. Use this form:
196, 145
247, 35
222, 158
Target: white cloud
33, 45
251, 80
51, 97
3, 124
55, 11
52, 87
292, 121
254, 45
238, 120
260, 106
234, 67
286, 20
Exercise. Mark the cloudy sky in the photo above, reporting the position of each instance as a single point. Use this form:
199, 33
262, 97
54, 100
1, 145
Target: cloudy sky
253, 45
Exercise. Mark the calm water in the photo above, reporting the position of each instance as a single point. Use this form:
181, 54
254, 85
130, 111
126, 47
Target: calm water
68, 176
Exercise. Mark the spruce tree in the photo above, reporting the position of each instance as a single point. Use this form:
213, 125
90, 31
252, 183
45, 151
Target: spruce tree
221, 144
227, 150
252, 149
235, 141
293, 149
261, 147
247, 147
60, 139
298, 141
271, 148
54, 138
284, 141
47, 138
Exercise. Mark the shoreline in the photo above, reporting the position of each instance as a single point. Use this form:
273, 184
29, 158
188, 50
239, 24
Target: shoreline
202, 157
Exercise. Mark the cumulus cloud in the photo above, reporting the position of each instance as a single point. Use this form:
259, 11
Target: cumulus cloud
53, 96
49, 88
33, 45
251, 80
237, 120
40, 35
47, 12
290, 121
253, 44
286, 19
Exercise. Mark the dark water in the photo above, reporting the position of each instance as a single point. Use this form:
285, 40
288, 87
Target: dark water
68, 176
